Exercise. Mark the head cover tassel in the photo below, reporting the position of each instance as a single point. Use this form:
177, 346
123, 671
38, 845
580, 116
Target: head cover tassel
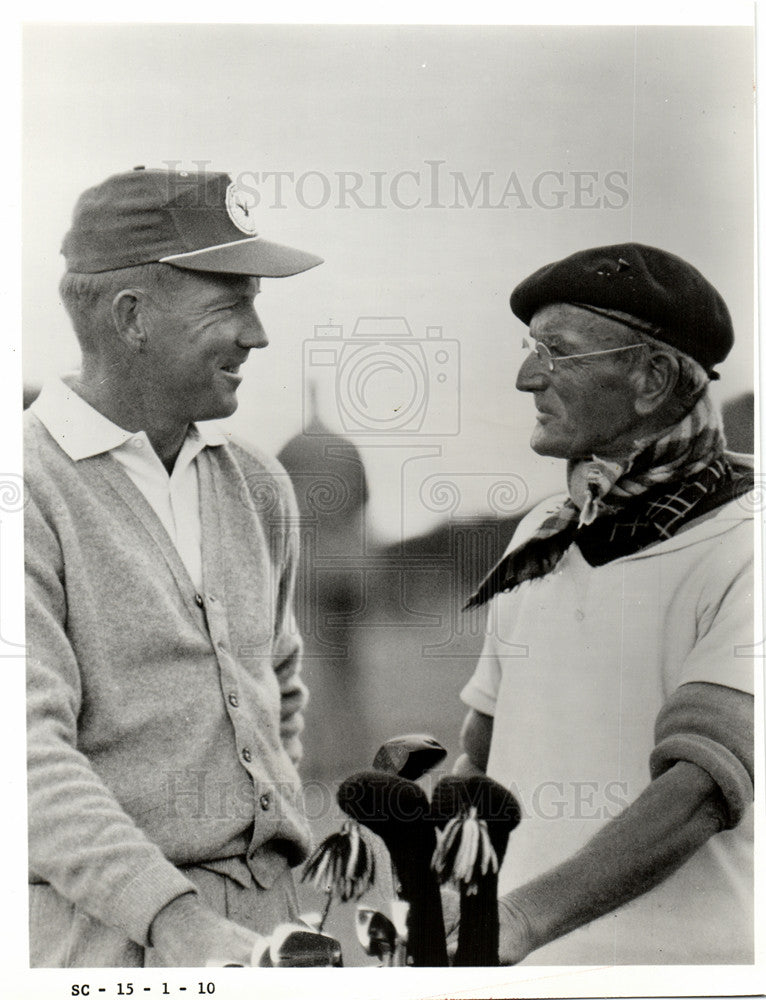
464, 851
343, 865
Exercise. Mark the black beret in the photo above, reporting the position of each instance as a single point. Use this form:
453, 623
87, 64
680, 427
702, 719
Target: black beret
654, 286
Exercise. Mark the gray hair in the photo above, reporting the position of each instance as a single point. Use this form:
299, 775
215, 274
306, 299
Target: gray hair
88, 297
693, 380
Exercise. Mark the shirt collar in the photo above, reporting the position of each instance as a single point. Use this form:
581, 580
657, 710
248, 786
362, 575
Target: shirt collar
82, 432
211, 433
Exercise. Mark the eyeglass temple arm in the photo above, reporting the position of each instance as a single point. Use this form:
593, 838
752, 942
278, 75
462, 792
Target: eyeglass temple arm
588, 354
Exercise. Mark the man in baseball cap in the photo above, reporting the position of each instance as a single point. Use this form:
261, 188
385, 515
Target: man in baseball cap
164, 691
626, 727
200, 221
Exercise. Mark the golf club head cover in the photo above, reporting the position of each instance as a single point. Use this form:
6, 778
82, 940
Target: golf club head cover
475, 800
397, 810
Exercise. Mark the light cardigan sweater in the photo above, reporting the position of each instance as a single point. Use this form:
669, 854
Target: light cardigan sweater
163, 723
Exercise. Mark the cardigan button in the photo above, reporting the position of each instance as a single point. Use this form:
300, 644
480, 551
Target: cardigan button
246, 755
234, 701
198, 600
265, 802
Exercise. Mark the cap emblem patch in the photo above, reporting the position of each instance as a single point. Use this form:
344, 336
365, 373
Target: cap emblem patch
240, 206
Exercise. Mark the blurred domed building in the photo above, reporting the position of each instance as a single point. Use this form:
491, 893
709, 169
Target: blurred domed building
332, 491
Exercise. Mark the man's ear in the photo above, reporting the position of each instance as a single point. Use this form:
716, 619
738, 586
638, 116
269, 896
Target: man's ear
129, 321
655, 382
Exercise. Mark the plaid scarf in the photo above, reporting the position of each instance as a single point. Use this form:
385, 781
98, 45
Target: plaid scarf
616, 508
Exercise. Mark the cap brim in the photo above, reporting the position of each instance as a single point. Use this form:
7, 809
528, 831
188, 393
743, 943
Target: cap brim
254, 256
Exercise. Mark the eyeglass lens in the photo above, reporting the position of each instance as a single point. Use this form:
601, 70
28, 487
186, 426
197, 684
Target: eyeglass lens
540, 350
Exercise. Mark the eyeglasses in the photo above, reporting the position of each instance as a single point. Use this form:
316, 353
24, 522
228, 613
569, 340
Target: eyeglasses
544, 353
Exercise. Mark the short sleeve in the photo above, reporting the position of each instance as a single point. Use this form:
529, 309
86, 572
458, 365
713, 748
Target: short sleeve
725, 652
481, 690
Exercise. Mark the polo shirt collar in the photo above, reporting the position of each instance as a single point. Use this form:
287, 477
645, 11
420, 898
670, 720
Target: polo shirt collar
210, 433
82, 432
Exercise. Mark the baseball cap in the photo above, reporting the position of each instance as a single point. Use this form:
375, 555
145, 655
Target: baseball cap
676, 302
196, 220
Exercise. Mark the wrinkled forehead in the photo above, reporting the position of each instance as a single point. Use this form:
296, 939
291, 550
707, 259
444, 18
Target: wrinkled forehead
571, 326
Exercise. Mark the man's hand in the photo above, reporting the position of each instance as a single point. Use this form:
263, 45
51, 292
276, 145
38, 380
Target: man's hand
515, 943
514, 929
187, 934
451, 915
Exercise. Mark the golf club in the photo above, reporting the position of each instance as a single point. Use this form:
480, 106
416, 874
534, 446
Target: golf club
376, 934
398, 811
477, 815
296, 947
409, 756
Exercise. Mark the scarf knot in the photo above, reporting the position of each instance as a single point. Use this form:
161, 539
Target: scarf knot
666, 481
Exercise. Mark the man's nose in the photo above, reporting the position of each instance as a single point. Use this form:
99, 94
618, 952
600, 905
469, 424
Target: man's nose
251, 333
532, 376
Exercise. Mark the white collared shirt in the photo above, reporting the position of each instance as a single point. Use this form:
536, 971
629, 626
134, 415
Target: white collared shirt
83, 432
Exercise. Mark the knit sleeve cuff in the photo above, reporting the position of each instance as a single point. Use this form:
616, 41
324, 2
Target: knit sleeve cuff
146, 894
726, 770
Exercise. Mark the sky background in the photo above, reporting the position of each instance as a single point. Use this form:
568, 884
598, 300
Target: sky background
583, 136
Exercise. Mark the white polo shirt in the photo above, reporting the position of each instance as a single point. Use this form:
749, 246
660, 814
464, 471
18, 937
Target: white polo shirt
82, 432
575, 668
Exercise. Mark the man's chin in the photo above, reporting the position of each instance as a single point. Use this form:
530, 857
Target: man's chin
219, 411
543, 444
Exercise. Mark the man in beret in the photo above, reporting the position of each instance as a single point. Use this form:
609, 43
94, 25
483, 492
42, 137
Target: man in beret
614, 693
163, 661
